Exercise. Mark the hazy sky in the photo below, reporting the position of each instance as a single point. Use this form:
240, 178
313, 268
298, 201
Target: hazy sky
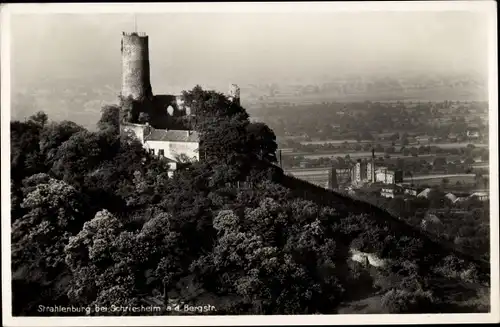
246, 48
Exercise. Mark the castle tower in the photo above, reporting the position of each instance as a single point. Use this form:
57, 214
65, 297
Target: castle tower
234, 93
135, 66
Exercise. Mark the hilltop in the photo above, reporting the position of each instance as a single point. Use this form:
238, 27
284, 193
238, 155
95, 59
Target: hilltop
96, 221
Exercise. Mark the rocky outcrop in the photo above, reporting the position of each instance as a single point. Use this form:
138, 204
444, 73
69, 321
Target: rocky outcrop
367, 258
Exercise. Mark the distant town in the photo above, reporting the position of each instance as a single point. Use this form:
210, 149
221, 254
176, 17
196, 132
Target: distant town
424, 144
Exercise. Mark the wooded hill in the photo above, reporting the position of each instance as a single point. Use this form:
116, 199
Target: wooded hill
96, 221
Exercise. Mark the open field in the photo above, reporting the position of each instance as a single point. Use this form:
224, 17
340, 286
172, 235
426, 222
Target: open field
437, 179
436, 94
334, 142
319, 176
455, 145
307, 171
445, 145
480, 165
357, 155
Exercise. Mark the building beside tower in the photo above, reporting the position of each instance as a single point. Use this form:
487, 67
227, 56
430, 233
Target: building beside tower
151, 118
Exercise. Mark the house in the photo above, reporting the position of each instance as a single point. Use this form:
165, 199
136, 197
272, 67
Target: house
460, 199
422, 138
176, 146
481, 196
473, 133
452, 197
304, 164
410, 191
391, 191
424, 193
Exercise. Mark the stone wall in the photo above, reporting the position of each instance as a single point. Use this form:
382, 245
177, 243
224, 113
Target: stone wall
138, 130
173, 150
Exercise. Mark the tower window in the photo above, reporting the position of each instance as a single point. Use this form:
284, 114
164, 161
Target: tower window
152, 151
161, 153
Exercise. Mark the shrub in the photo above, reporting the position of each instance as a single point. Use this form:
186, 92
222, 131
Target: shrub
406, 301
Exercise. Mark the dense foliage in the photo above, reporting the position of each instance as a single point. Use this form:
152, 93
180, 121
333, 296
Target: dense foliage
465, 224
96, 221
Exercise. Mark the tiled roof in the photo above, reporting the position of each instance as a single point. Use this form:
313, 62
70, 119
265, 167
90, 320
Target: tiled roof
424, 193
173, 136
452, 197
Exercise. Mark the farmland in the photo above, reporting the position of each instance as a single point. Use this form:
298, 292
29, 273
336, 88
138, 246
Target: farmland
467, 179
319, 176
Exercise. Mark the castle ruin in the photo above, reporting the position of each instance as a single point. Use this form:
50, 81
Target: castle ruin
151, 118
136, 87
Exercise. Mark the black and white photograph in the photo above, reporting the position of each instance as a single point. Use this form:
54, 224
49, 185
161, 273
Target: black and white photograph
239, 163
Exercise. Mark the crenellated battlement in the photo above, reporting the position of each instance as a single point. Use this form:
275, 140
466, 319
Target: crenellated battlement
140, 34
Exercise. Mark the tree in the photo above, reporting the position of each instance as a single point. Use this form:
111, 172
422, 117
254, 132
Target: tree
397, 205
365, 135
113, 266
53, 211
436, 198
54, 135
262, 141
405, 301
439, 162
26, 158
206, 104
80, 154
40, 118
244, 263
224, 139
110, 119
469, 161
394, 137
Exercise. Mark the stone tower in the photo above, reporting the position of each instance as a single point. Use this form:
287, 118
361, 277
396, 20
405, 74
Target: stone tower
135, 66
234, 93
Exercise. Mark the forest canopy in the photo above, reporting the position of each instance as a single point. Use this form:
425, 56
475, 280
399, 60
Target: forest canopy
97, 221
